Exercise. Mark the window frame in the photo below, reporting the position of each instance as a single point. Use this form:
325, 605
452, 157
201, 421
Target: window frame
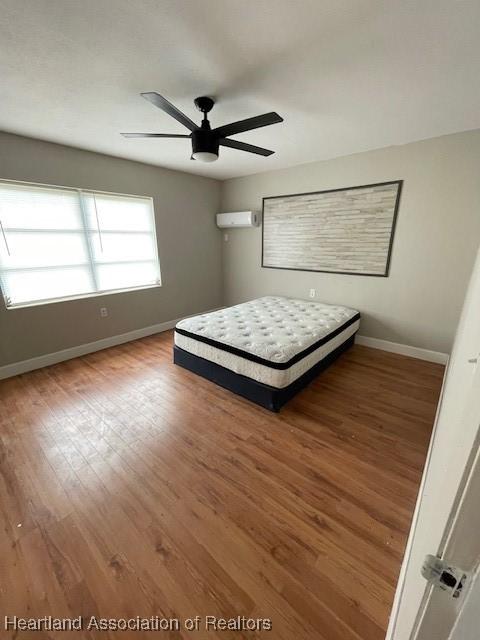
80, 191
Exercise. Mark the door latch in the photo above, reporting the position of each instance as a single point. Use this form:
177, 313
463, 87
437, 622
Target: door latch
441, 574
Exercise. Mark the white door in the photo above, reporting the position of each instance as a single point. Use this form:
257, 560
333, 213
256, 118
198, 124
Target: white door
466, 625
442, 616
455, 431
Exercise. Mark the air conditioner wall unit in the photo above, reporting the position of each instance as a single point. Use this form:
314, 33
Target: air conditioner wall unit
238, 219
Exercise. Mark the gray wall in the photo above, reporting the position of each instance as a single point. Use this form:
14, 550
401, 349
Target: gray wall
438, 231
189, 249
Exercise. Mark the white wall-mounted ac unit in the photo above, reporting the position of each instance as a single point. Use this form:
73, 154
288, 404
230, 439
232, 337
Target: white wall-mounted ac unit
238, 219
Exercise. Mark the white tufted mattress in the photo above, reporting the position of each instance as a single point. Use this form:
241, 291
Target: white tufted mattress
272, 340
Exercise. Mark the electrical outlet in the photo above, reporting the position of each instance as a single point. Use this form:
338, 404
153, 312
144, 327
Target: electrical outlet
312, 293
225, 237
103, 312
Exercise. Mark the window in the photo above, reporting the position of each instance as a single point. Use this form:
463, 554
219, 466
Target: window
58, 243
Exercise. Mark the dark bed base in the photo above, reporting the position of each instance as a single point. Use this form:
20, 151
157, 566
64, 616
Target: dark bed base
264, 395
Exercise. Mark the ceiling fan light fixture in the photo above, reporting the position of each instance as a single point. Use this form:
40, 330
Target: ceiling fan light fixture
205, 140
205, 156
204, 144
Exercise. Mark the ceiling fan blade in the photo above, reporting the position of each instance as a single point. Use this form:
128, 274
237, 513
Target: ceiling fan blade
248, 124
155, 135
163, 104
243, 146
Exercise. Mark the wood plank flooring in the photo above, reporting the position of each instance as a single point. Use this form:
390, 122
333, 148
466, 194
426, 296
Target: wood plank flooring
131, 487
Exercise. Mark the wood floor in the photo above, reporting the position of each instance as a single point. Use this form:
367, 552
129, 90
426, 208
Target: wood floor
131, 487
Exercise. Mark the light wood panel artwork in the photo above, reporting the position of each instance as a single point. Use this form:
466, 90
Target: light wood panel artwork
340, 231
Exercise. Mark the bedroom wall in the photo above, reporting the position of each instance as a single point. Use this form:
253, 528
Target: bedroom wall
437, 233
189, 249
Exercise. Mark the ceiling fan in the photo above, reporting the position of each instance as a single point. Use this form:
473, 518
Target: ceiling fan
205, 140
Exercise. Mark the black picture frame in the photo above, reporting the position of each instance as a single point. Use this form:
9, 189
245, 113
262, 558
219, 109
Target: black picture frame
399, 184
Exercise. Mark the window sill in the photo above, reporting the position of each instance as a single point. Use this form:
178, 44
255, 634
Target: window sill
86, 296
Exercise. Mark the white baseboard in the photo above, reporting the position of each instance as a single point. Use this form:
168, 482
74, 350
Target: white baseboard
16, 368
403, 349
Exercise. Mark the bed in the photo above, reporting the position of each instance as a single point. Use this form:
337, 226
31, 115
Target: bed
267, 349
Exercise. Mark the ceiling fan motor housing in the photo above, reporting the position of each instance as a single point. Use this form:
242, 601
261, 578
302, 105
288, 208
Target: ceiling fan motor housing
204, 140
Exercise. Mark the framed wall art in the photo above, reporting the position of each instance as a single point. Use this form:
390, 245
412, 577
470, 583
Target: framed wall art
347, 230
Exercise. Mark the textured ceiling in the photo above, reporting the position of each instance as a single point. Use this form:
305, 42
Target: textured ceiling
346, 76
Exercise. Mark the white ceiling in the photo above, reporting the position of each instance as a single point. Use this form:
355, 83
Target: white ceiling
346, 75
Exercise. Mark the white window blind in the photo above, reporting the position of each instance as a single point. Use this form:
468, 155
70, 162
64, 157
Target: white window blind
58, 243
